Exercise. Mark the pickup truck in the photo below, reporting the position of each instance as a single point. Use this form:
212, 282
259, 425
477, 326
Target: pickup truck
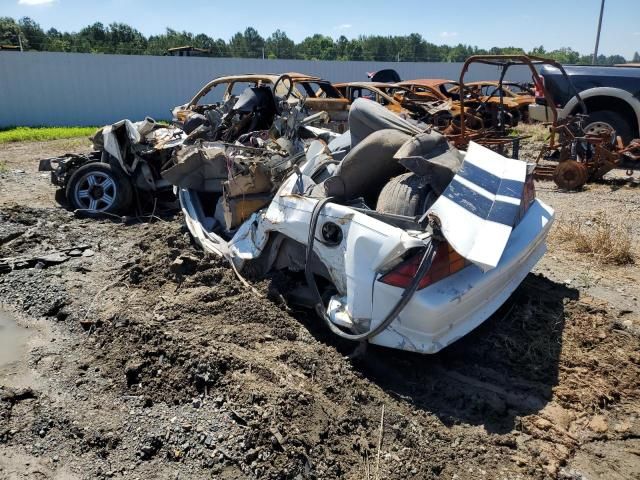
611, 95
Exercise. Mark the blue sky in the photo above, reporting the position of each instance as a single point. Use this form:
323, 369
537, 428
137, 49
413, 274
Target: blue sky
552, 23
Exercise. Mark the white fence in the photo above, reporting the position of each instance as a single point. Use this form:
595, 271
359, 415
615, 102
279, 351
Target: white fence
47, 88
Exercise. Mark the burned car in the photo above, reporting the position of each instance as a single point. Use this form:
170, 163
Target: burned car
407, 103
390, 234
487, 95
379, 92
314, 93
125, 164
438, 88
125, 167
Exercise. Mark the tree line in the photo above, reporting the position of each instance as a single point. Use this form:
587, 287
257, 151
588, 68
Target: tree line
124, 39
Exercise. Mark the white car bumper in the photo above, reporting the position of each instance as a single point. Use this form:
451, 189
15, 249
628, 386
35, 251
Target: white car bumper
440, 314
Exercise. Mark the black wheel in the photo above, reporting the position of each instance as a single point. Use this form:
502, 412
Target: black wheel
606, 120
407, 194
99, 188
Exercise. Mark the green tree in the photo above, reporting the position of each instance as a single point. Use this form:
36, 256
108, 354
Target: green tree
93, 38
341, 48
122, 38
9, 32
238, 46
317, 47
538, 51
254, 43
279, 45
564, 55
31, 31
220, 49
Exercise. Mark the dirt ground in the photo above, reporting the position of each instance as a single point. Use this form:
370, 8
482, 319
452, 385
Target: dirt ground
139, 357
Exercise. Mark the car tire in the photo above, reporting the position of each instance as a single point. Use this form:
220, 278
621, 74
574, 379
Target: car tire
98, 188
407, 194
596, 121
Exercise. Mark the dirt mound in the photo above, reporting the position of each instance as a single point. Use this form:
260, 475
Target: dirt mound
170, 365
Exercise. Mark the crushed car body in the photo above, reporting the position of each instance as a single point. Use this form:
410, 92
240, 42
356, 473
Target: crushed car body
393, 236
435, 110
127, 159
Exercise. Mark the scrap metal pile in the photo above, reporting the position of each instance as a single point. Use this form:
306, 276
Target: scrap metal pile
363, 222
267, 113
583, 157
125, 164
364, 210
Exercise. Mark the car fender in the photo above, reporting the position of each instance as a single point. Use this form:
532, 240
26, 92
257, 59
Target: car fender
624, 95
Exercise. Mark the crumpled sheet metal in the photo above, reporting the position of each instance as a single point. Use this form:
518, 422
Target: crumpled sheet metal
198, 168
353, 266
146, 131
479, 208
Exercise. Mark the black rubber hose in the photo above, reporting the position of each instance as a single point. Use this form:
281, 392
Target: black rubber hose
407, 294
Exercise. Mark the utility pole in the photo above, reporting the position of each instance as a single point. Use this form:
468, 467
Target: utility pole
595, 52
20, 42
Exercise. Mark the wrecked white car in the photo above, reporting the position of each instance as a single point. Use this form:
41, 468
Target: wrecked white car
395, 237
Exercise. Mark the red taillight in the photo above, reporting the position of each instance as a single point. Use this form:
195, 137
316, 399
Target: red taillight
446, 262
528, 196
539, 87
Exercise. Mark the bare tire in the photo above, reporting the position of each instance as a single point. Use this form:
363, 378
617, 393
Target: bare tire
98, 188
599, 122
570, 175
407, 194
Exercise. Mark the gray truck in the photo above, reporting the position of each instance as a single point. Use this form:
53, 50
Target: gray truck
611, 95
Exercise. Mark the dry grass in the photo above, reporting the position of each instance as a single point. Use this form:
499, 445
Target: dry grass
609, 241
537, 131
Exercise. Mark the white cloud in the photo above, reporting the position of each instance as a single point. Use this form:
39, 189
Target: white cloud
36, 2
637, 34
344, 26
448, 34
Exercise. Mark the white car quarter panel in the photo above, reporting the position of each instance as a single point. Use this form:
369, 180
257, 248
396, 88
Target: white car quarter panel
368, 244
447, 310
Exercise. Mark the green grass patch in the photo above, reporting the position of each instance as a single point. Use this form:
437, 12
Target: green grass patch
38, 134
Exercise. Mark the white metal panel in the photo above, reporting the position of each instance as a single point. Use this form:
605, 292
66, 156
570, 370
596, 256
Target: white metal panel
51, 88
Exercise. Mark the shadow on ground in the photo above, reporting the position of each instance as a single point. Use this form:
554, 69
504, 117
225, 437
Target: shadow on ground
504, 369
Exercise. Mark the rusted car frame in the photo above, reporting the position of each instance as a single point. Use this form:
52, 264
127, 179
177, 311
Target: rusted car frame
439, 88
498, 137
316, 93
504, 62
493, 92
421, 104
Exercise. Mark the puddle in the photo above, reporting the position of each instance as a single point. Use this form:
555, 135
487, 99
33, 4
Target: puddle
13, 344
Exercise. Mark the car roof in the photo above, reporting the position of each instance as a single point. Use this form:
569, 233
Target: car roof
270, 77
302, 77
378, 85
426, 82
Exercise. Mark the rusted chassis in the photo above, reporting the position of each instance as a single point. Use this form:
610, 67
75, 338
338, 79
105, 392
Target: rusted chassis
507, 61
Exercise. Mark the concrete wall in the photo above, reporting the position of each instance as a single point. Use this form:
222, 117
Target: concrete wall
48, 88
